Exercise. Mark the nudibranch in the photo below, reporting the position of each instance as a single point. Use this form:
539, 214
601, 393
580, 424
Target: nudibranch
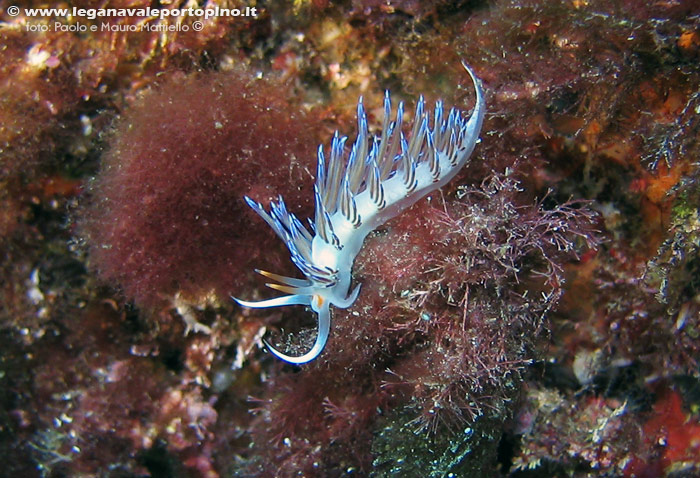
357, 191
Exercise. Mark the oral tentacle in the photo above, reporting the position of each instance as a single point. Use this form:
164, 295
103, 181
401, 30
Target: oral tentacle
276, 302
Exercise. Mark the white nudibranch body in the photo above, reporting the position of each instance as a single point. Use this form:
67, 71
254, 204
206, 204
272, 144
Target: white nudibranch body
357, 192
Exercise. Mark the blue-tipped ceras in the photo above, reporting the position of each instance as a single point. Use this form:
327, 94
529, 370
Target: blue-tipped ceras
356, 192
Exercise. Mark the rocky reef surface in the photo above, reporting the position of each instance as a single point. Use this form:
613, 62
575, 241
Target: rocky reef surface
537, 317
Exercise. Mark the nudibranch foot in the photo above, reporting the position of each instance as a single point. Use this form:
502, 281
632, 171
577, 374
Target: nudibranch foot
324, 328
355, 192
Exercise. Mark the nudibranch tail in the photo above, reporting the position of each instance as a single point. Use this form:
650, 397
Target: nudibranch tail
358, 190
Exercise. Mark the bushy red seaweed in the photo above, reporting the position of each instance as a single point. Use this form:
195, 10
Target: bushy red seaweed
445, 333
168, 215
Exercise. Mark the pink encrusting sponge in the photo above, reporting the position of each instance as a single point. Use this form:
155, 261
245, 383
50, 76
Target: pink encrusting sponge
355, 193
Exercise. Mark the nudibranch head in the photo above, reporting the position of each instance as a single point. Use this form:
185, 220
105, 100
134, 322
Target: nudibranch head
357, 191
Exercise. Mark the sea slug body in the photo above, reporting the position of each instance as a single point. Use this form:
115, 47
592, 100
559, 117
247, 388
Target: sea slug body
357, 192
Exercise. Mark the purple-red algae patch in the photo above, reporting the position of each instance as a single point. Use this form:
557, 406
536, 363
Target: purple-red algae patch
168, 214
455, 293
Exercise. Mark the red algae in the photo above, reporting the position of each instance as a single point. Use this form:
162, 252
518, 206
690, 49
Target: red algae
53, 79
168, 214
678, 432
445, 314
38, 103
